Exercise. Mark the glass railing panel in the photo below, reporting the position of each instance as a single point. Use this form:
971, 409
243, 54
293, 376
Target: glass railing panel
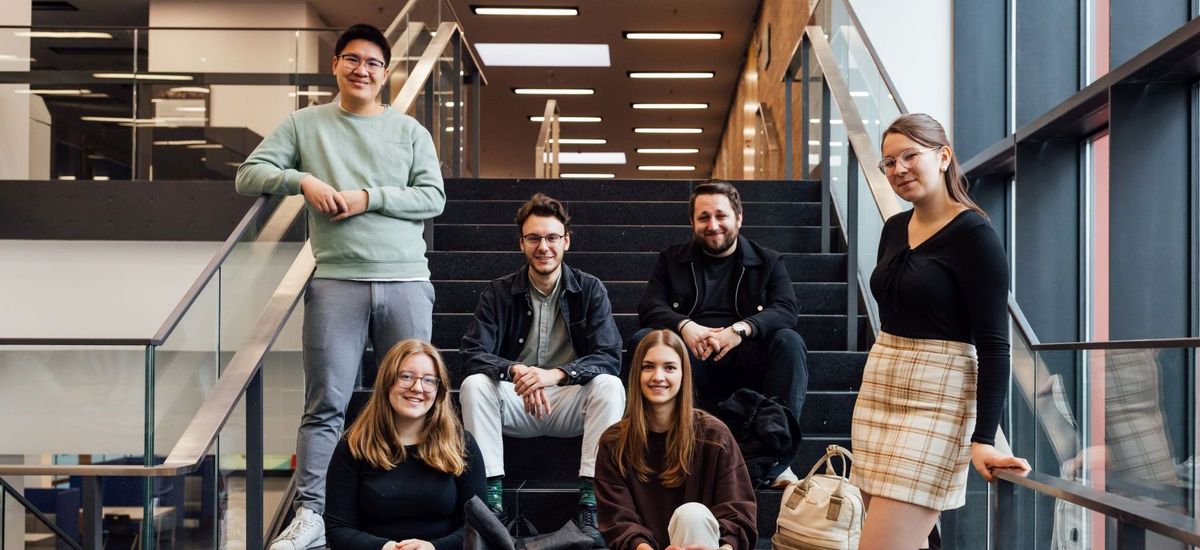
185, 367
870, 227
229, 456
838, 147
815, 85
1118, 420
72, 400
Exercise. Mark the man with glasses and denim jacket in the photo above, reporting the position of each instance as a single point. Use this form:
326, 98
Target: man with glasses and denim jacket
541, 355
370, 177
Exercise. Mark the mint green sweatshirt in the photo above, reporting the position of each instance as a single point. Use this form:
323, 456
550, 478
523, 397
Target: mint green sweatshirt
390, 155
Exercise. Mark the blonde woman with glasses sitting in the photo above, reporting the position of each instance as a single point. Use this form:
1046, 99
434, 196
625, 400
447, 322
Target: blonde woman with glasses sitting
404, 471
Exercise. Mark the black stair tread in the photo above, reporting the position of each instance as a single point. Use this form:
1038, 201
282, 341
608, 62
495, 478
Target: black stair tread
820, 332
616, 238
611, 266
623, 190
462, 296
649, 212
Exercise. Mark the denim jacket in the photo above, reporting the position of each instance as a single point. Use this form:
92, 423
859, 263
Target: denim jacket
504, 316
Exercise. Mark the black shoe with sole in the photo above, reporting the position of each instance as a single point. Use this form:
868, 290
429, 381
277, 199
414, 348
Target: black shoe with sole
589, 524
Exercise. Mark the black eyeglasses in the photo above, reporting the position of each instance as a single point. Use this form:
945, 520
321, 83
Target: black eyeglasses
534, 239
908, 158
408, 380
353, 61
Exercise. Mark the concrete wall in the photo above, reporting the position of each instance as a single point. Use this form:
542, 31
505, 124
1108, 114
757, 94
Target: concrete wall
14, 107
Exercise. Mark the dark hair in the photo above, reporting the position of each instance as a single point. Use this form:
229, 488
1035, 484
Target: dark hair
363, 31
542, 205
716, 187
928, 132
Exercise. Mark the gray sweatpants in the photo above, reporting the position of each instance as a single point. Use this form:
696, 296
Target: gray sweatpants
339, 317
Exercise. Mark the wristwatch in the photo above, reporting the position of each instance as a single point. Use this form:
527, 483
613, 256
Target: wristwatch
741, 329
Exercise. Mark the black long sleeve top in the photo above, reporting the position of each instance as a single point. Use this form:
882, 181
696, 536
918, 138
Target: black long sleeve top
365, 507
953, 286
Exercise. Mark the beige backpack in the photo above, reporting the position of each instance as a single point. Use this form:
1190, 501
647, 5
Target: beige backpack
821, 511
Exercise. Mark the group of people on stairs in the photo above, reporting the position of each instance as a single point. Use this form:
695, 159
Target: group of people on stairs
542, 355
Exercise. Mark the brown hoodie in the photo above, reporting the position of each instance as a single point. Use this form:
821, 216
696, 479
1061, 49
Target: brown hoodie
632, 512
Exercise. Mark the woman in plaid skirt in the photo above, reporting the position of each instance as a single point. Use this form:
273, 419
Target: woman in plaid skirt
935, 381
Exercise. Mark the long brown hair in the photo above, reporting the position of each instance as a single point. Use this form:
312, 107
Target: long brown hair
629, 442
928, 132
374, 437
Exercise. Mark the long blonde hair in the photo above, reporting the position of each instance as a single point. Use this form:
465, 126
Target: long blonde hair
374, 437
629, 443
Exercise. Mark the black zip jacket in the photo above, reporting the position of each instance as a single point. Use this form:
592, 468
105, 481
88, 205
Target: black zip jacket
505, 314
763, 297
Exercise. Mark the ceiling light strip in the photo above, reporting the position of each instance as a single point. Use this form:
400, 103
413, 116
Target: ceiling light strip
586, 176
640, 35
525, 11
669, 105
668, 130
667, 151
667, 168
671, 74
539, 118
554, 91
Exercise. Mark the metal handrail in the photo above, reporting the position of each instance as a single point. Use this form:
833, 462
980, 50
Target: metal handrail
1126, 510
218, 405
12, 491
546, 151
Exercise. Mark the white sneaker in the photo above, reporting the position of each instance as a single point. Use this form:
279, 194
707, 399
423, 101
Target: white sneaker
307, 530
782, 480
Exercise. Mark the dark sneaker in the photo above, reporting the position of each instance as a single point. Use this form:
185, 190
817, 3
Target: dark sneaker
500, 514
589, 524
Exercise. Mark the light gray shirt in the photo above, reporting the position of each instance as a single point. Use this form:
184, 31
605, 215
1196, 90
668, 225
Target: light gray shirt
548, 344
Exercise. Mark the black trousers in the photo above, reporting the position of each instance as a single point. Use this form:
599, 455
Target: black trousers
775, 367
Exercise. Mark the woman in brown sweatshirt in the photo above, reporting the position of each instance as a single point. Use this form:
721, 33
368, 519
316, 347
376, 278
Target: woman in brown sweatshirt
670, 476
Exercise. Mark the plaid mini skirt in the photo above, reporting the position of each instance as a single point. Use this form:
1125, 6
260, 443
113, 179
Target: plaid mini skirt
911, 434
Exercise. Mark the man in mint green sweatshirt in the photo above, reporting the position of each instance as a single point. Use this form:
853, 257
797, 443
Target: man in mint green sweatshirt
370, 177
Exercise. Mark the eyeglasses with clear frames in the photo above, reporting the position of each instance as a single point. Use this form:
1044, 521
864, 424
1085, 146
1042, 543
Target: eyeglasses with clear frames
533, 239
409, 380
353, 61
908, 158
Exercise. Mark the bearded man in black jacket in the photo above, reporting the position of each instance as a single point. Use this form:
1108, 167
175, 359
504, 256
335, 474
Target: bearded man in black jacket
732, 302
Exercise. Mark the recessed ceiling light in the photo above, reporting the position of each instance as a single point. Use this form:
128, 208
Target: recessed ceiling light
191, 89
181, 142
514, 10
670, 105
667, 151
143, 76
309, 93
587, 176
53, 92
554, 91
671, 74
581, 141
206, 146
544, 55
591, 158
62, 34
668, 130
667, 168
859, 93
673, 35
538, 118
191, 109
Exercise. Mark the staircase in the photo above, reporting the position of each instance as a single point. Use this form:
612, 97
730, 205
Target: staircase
619, 226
